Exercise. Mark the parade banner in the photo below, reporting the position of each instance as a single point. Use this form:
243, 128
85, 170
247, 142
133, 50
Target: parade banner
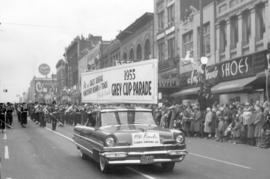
129, 83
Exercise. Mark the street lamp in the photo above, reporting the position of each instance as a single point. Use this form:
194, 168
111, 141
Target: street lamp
204, 60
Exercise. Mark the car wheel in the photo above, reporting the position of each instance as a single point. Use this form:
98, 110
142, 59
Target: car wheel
167, 166
103, 165
83, 155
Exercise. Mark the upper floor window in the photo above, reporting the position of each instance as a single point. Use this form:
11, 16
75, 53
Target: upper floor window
147, 51
260, 21
171, 47
223, 37
161, 48
139, 52
161, 20
206, 39
246, 26
131, 54
234, 32
188, 43
125, 56
171, 15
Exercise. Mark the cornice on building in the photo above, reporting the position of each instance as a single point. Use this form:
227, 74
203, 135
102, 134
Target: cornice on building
144, 19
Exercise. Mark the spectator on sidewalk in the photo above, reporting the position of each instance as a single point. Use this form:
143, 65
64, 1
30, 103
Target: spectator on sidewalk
259, 121
221, 127
236, 130
207, 122
197, 121
266, 132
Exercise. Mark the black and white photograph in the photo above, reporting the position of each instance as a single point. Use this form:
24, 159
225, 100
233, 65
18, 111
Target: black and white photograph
139, 89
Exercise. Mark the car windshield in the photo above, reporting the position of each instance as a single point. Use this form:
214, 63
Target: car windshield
127, 117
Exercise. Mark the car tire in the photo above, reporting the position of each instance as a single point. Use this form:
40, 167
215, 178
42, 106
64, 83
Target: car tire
83, 156
167, 166
103, 165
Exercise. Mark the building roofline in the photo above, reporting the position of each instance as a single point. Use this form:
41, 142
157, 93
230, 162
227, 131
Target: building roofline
148, 16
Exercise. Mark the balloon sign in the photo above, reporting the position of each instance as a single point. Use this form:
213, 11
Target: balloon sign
44, 69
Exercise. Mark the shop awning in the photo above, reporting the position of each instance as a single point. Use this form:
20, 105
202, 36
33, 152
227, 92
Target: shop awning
232, 86
186, 92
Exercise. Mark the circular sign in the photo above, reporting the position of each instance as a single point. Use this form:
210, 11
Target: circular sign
44, 69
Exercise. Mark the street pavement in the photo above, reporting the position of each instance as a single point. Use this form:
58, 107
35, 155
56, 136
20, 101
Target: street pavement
40, 153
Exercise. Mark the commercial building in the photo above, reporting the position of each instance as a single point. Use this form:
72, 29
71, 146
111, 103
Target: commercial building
242, 31
43, 90
166, 25
189, 40
137, 40
72, 55
62, 81
74, 52
111, 54
235, 38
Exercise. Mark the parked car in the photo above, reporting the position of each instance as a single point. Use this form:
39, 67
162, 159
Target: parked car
123, 136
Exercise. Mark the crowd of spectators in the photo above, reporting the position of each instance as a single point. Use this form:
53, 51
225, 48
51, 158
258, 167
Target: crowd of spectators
238, 123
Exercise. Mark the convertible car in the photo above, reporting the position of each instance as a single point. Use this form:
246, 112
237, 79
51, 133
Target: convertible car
128, 136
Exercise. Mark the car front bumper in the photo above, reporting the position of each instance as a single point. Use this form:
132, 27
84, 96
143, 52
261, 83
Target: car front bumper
146, 157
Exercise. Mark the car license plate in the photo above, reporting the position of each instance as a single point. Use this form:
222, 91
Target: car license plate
145, 159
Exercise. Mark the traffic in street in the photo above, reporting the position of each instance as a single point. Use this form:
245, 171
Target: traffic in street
37, 152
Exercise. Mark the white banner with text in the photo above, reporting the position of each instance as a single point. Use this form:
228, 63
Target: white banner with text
129, 83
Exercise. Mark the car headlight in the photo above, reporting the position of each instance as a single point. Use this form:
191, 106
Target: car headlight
110, 141
180, 139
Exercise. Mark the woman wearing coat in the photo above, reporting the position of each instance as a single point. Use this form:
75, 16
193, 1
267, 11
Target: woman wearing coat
251, 127
197, 121
259, 121
207, 122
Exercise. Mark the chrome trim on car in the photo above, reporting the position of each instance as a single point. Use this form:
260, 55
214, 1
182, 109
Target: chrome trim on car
139, 161
177, 152
90, 151
142, 146
88, 139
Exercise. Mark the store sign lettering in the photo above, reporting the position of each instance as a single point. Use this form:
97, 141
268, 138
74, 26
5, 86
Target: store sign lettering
167, 83
212, 74
235, 67
195, 79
